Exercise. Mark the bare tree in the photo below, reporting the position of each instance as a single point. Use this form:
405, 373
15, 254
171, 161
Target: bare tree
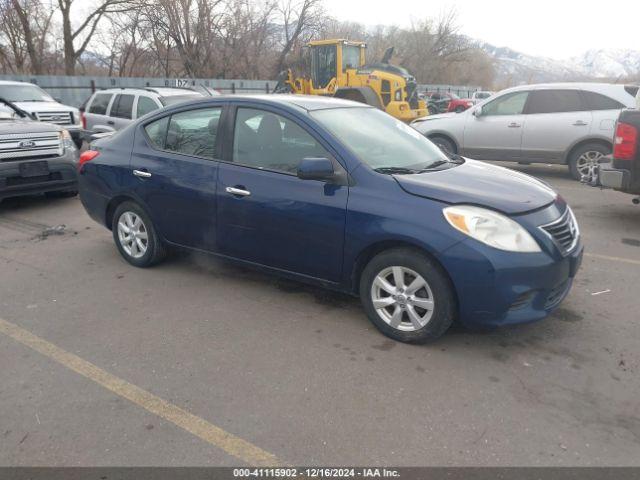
76, 40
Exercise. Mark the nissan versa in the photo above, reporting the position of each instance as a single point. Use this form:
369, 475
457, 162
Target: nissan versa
342, 195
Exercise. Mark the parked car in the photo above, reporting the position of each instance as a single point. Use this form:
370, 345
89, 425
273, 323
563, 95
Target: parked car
113, 109
480, 96
447, 102
43, 107
342, 195
622, 171
570, 123
35, 157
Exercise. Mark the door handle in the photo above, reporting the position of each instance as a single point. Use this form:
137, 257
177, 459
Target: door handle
238, 191
580, 123
141, 173
514, 125
111, 122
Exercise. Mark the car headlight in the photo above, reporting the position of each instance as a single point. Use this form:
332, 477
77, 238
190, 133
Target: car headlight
66, 140
491, 228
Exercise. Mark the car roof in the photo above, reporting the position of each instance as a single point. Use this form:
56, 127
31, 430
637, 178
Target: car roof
300, 102
160, 91
13, 82
614, 90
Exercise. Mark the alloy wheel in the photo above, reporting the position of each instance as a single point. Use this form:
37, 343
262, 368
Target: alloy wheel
402, 298
132, 234
587, 164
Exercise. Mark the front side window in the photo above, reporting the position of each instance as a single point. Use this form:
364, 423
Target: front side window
24, 93
555, 101
145, 105
122, 106
194, 132
597, 101
350, 57
379, 140
268, 141
511, 104
100, 103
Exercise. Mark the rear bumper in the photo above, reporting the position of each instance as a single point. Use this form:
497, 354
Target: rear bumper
62, 177
617, 178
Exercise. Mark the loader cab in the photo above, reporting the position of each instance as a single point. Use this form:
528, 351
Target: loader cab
330, 59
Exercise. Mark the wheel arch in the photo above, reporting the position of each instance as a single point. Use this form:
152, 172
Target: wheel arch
369, 252
364, 95
113, 204
446, 136
598, 140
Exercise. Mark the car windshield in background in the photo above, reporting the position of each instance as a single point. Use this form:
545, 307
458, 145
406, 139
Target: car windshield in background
24, 93
379, 140
173, 99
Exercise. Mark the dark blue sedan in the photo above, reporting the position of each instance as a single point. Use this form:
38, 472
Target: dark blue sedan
341, 195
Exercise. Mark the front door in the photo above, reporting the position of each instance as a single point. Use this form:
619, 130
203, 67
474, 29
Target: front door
175, 167
496, 134
266, 214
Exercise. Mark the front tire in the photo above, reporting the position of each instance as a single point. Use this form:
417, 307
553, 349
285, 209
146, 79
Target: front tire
135, 236
444, 144
584, 161
407, 296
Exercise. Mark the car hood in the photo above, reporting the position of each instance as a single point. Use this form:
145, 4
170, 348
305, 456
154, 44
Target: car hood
19, 126
481, 184
33, 107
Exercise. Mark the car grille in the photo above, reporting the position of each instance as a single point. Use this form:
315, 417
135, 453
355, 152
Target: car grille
59, 118
26, 146
564, 232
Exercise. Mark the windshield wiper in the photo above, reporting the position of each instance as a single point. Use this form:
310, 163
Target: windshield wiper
396, 170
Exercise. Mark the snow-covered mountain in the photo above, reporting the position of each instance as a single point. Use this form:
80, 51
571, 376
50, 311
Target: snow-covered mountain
513, 67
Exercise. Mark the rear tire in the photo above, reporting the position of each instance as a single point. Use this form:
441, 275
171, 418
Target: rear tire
407, 296
136, 237
584, 160
460, 109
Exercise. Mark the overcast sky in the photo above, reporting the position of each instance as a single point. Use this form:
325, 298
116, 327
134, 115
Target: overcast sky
552, 28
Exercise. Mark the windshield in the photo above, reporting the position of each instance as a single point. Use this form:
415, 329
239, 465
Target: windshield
379, 140
24, 93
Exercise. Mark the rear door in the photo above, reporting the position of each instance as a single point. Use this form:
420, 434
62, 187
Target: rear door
121, 111
175, 164
555, 120
96, 112
496, 134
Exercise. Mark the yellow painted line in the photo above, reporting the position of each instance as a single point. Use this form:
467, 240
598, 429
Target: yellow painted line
197, 426
613, 259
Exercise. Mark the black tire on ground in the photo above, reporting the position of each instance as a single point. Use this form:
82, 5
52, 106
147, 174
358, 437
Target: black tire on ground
155, 251
460, 109
582, 150
445, 144
67, 194
444, 303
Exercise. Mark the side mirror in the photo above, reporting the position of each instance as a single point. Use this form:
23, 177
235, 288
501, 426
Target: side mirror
477, 112
316, 169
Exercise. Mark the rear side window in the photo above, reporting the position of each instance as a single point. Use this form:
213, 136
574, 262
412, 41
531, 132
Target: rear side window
100, 103
597, 101
555, 101
157, 132
145, 105
122, 106
194, 132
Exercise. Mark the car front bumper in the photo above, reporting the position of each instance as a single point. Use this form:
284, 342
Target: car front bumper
61, 176
496, 288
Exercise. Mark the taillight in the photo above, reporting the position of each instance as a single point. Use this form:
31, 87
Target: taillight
625, 143
83, 119
87, 156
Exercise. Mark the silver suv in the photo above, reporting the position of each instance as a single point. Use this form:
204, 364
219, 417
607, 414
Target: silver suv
113, 109
568, 123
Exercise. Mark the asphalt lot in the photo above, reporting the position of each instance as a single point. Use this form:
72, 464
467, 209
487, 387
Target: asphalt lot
296, 371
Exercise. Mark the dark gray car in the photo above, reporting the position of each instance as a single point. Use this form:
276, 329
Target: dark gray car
35, 157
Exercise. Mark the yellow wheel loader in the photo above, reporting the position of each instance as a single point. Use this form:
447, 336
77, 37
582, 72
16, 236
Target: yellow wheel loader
338, 69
